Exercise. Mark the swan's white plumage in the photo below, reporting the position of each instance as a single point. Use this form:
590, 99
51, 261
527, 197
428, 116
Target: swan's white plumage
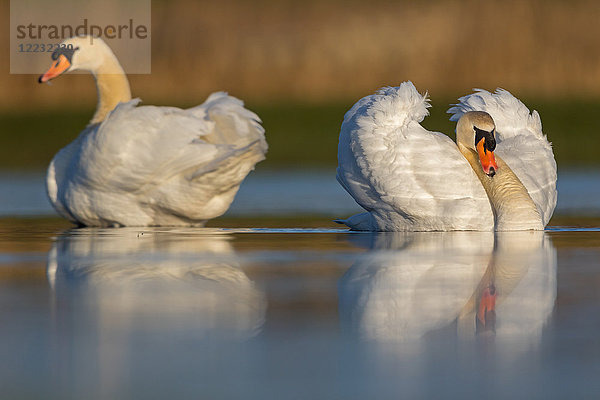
404, 175
148, 165
411, 179
521, 143
157, 165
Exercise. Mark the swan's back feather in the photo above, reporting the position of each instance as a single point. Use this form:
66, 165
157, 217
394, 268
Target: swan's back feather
407, 177
157, 165
521, 143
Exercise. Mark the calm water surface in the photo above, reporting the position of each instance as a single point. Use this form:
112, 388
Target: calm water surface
297, 313
293, 192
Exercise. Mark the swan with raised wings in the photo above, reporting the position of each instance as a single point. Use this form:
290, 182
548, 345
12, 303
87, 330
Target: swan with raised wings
499, 175
142, 166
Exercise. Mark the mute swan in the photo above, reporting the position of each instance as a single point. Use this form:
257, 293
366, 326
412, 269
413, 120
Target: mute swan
411, 179
141, 166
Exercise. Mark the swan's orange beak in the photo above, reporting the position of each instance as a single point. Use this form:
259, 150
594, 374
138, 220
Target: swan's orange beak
58, 67
488, 161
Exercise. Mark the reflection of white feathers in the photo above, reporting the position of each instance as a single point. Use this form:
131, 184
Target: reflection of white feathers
402, 294
159, 279
526, 282
412, 284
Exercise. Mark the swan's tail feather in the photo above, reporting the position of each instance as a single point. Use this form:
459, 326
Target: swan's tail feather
359, 222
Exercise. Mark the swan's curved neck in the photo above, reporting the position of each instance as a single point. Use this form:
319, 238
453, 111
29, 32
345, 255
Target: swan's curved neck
112, 85
512, 206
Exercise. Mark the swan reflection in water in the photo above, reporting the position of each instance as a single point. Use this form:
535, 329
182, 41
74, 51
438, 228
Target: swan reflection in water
412, 287
128, 303
177, 281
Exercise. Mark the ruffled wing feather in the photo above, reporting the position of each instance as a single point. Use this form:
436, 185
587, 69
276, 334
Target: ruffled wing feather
407, 177
158, 165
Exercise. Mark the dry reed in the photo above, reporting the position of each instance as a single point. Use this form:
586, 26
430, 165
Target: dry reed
317, 51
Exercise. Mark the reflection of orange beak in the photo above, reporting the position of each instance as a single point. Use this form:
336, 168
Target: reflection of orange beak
57, 68
488, 161
487, 305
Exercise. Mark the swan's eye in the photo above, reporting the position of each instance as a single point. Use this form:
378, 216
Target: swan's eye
490, 143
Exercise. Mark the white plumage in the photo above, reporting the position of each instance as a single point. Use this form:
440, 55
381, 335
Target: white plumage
410, 179
140, 166
524, 147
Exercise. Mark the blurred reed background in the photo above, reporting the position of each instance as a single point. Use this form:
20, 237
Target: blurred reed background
301, 64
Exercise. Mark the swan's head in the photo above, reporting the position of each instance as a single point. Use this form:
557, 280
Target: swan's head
476, 130
85, 53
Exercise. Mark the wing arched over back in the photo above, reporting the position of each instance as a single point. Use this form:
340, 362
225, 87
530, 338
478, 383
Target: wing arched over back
141, 146
521, 143
406, 177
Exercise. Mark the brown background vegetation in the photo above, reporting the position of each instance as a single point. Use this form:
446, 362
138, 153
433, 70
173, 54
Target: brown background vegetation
319, 51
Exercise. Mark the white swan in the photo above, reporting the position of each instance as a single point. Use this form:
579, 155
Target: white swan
140, 166
411, 179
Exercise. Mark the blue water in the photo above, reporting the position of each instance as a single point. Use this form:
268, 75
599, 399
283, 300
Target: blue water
297, 314
278, 193
290, 313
